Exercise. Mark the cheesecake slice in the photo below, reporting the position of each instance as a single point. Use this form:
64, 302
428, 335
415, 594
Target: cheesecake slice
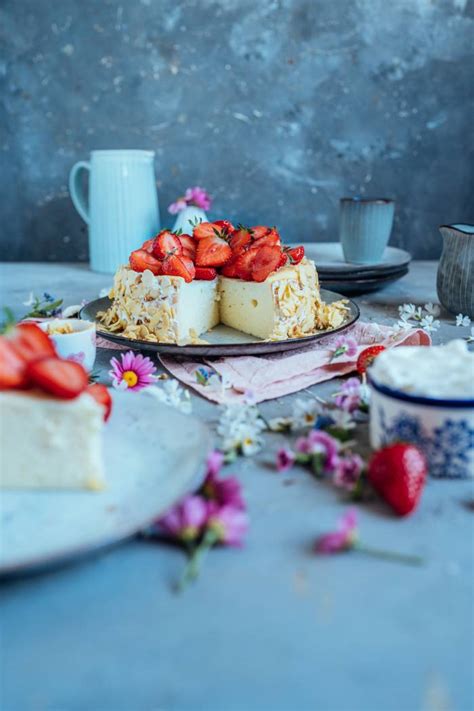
46, 442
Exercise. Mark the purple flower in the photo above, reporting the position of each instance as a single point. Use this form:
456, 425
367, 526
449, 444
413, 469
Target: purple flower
341, 540
225, 492
186, 520
193, 196
350, 396
344, 345
347, 471
134, 372
214, 462
228, 523
285, 459
320, 442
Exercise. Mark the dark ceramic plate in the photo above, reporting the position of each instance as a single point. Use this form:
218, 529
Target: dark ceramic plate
354, 287
329, 259
223, 341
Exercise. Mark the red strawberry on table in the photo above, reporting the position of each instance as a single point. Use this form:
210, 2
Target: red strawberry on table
295, 254
12, 366
212, 252
30, 343
179, 266
205, 273
189, 245
398, 473
101, 395
140, 260
367, 357
61, 378
166, 243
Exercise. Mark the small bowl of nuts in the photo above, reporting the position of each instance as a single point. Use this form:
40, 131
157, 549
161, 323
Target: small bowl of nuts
73, 338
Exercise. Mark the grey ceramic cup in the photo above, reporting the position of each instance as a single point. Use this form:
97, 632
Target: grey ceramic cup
365, 225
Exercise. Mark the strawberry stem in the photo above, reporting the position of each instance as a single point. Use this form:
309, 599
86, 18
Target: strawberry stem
393, 556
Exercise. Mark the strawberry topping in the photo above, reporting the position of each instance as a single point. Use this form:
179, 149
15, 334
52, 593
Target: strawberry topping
141, 260
12, 366
165, 244
189, 245
179, 266
212, 252
30, 343
205, 273
101, 395
265, 262
61, 378
240, 239
295, 254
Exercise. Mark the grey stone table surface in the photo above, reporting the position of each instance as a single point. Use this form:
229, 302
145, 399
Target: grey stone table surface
270, 626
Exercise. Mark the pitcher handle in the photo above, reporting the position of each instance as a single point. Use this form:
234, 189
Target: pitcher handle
76, 189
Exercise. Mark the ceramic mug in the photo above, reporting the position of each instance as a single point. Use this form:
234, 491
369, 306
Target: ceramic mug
122, 205
79, 345
365, 225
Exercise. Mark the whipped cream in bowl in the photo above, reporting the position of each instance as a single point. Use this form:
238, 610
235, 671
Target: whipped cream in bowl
425, 395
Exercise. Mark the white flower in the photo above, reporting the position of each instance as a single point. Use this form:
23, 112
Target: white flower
280, 424
342, 419
432, 309
305, 413
402, 324
240, 427
408, 311
429, 324
463, 320
30, 301
172, 394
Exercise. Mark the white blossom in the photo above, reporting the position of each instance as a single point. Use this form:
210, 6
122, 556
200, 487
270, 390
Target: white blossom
463, 320
305, 413
432, 309
429, 324
171, 393
240, 427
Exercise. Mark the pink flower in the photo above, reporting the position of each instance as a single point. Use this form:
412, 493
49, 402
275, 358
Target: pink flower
134, 372
285, 459
350, 396
186, 520
228, 523
214, 462
193, 196
320, 442
347, 471
344, 345
341, 540
225, 492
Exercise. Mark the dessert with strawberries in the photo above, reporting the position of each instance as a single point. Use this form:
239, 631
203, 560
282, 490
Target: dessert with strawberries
178, 286
51, 418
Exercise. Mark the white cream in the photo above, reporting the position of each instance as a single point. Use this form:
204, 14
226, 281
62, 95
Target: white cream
436, 371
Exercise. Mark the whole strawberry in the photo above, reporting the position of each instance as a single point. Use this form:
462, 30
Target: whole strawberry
398, 473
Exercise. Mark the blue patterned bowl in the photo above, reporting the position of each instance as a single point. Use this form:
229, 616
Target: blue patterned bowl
442, 429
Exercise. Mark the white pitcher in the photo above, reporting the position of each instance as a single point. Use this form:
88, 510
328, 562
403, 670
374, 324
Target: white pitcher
122, 205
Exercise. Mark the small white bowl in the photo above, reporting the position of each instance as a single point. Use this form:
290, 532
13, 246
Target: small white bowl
78, 346
442, 428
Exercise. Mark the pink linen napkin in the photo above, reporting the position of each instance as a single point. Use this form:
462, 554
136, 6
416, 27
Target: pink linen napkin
268, 377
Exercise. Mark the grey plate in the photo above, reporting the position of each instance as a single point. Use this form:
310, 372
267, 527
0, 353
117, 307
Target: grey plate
42, 529
223, 341
354, 287
330, 260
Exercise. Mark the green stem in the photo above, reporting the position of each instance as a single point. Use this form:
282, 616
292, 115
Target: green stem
389, 555
195, 558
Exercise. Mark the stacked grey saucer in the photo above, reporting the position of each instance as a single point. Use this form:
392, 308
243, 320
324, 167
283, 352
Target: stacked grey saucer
348, 278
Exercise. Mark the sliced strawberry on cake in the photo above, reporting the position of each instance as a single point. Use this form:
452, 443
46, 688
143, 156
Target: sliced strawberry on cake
212, 252
140, 260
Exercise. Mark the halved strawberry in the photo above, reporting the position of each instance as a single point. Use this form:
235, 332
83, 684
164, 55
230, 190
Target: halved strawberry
367, 357
212, 252
148, 245
189, 245
12, 367
179, 266
265, 262
140, 260
205, 229
30, 343
295, 254
225, 226
230, 269
101, 395
205, 273
240, 239
166, 243
61, 378
271, 239
259, 231
244, 264
283, 260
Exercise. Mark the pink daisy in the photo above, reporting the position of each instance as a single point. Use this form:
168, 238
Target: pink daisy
135, 371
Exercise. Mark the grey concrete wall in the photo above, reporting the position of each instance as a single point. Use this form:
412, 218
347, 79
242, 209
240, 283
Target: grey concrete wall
278, 107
